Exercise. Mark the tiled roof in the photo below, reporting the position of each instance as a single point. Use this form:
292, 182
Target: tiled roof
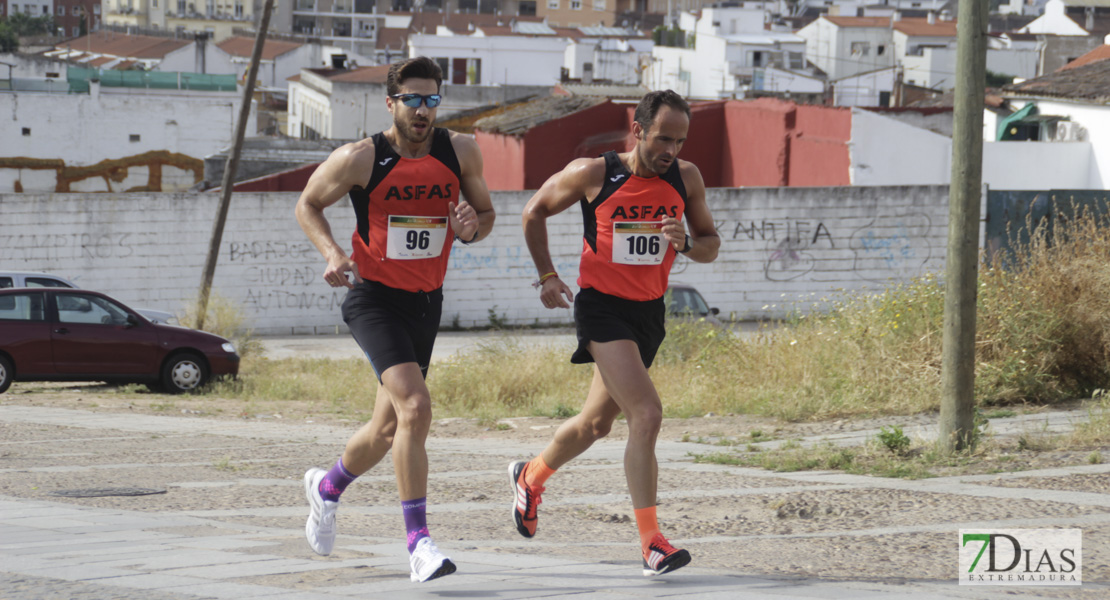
1100, 53
359, 75
923, 28
859, 21
1088, 82
244, 46
124, 45
394, 38
537, 112
605, 90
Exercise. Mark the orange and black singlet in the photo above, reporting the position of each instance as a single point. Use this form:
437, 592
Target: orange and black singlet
624, 253
403, 238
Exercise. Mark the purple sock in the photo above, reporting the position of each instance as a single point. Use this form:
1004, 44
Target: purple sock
416, 522
337, 480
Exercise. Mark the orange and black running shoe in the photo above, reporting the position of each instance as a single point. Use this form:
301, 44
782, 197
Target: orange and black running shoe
525, 500
661, 557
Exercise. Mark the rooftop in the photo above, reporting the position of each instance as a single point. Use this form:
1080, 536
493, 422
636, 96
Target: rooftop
537, 112
244, 47
124, 45
1087, 82
1100, 53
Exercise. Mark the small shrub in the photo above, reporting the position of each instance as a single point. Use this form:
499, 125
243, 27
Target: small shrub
894, 439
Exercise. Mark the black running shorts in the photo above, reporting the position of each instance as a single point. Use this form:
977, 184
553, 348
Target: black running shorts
600, 317
393, 326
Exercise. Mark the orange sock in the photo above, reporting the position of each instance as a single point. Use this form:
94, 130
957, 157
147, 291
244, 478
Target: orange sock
537, 472
647, 523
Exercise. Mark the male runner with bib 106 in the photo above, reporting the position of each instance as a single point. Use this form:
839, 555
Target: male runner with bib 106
404, 184
634, 205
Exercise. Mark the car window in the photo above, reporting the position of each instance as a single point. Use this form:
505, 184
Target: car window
687, 301
79, 308
43, 282
6, 282
22, 307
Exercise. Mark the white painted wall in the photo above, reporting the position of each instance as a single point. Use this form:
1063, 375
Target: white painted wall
1054, 21
615, 60
506, 60
884, 151
1096, 120
936, 67
84, 129
1037, 165
271, 73
777, 80
672, 69
830, 48
863, 89
781, 249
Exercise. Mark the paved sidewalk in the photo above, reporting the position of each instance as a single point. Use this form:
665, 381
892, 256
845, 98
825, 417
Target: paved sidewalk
231, 523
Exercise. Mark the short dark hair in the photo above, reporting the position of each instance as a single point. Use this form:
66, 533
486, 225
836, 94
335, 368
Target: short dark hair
650, 103
420, 67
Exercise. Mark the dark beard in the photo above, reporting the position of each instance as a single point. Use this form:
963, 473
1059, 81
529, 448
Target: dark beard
406, 130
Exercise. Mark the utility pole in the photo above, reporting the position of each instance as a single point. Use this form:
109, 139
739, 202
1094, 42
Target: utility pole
231, 166
957, 407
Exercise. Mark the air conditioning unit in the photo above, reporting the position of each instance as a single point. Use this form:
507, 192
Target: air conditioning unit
1069, 131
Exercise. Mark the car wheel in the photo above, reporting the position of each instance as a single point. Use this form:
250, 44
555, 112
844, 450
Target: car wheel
7, 373
184, 372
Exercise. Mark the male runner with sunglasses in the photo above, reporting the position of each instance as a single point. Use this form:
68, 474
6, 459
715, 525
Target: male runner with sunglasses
634, 204
405, 185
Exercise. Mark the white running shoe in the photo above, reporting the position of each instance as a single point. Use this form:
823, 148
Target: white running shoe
428, 562
320, 528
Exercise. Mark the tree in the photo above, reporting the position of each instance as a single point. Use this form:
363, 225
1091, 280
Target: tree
9, 41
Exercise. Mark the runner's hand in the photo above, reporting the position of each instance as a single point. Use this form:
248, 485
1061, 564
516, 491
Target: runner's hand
336, 273
675, 232
463, 219
553, 291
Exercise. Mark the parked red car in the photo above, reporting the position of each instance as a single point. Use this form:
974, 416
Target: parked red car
59, 334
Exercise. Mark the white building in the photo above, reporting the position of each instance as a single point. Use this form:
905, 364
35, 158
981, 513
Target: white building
846, 46
280, 60
731, 46
872, 88
338, 103
523, 53
613, 59
1054, 21
124, 138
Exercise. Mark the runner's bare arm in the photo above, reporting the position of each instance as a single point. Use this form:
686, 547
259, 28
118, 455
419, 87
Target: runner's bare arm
704, 241
474, 213
580, 179
349, 166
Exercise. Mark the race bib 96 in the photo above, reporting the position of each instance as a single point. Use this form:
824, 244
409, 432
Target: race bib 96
415, 237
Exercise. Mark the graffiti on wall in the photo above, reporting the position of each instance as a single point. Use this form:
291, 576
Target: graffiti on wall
64, 247
892, 244
277, 277
112, 171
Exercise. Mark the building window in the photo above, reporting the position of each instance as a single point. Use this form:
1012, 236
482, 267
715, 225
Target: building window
880, 50
76, 31
599, 4
238, 10
553, 4
135, 137
61, 11
96, 9
444, 66
576, 4
26, 131
860, 48
154, 3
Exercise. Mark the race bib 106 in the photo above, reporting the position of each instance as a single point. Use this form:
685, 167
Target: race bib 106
638, 243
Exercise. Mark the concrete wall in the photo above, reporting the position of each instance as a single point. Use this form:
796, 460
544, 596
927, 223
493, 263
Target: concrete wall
93, 130
887, 152
781, 250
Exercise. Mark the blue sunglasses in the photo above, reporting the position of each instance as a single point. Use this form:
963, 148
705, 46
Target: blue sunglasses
414, 100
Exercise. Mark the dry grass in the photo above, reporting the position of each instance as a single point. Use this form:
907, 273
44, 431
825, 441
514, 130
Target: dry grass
224, 318
1043, 337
